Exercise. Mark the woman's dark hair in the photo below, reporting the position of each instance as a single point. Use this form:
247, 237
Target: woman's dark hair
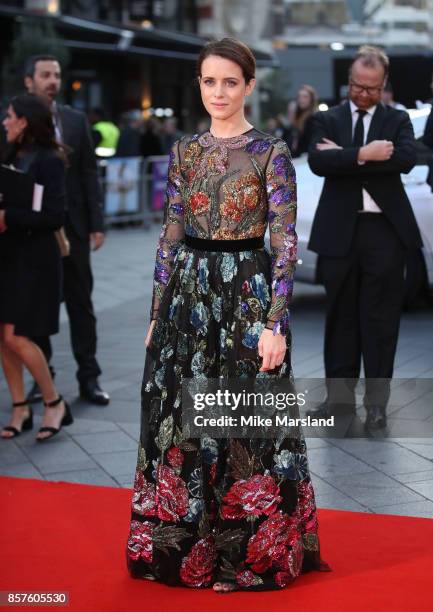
231, 49
30, 65
40, 126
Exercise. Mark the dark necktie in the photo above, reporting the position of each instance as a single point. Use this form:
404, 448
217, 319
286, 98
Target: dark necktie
358, 135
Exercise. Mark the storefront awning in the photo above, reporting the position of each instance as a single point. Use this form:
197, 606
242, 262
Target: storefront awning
101, 36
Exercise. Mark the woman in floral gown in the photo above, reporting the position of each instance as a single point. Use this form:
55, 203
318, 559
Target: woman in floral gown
228, 513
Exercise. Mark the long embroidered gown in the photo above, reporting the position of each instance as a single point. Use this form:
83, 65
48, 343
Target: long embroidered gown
232, 510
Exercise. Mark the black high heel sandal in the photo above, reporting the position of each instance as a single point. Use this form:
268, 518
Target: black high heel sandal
67, 419
26, 425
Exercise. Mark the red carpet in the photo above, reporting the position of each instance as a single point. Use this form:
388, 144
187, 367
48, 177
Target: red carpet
64, 537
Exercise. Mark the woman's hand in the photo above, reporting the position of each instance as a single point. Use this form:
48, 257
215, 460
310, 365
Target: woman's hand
149, 333
3, 226
272, 349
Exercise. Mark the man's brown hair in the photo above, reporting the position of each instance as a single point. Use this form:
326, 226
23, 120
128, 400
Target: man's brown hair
372, 57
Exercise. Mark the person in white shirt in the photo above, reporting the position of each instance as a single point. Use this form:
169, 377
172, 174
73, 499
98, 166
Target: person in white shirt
388, 97
363, 227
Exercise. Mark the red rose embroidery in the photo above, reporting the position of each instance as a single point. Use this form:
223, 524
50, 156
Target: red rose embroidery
253, 497
140, 541
197, 568
175, 457
296, 558
230, 209
246, 287
171, 495
245, 578
212, 471
269, 545
199, 203
283, 579
143, 498
307, 507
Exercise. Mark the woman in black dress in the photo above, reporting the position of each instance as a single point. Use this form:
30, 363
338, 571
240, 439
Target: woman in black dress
227, 513
301, 113
30, 279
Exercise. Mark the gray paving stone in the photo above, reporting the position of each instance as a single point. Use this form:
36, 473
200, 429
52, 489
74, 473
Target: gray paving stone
424, 450
118, 464
331, 462
20, 470
414, 427
95, 476
105, 442
50, 458
114, 385
388, 457
414, 476
126, 481
132, 429
420, 509
375, 489
115, 411
10, 453
321, 487
91, 426
338, 501
399, 461
424, 488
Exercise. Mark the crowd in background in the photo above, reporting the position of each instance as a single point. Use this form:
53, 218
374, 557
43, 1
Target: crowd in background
133, 135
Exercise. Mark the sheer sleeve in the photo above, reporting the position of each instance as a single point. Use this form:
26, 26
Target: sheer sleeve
281, 193
172, 231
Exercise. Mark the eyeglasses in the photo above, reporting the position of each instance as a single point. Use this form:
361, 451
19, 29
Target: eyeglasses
371, 91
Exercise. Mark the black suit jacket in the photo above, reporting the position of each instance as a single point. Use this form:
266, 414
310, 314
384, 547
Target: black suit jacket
84, 194
427, 139
341, 197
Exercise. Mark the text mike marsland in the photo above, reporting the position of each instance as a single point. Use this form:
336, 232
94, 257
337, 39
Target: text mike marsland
277, 420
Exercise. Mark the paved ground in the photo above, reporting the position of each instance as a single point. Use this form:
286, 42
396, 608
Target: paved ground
384, 476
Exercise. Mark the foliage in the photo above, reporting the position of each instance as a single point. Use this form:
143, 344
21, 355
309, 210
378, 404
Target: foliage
32, 36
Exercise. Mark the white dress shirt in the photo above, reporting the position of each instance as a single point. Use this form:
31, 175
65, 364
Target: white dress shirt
369, 205
56, 122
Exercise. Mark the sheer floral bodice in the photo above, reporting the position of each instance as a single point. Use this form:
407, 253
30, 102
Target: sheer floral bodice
231, 189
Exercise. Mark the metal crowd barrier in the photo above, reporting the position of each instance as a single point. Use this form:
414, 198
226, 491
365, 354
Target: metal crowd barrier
134, 188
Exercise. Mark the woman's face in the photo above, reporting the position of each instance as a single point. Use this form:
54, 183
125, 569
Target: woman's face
14, 125
223, 88
304, 99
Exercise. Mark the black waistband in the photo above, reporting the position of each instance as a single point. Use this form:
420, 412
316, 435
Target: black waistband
231, 246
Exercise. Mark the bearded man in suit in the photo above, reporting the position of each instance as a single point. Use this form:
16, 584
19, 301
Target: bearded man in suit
363, 227
84, 225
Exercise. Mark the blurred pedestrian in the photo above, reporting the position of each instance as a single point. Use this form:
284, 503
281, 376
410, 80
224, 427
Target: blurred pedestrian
129, 143
170, 134
84, 226
151, 138
300, 114
427, 139
388, 97
30, 280
276, 127
105, 132
362, 229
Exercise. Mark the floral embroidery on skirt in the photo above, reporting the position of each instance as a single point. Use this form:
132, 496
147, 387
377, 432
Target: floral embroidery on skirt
206, 510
